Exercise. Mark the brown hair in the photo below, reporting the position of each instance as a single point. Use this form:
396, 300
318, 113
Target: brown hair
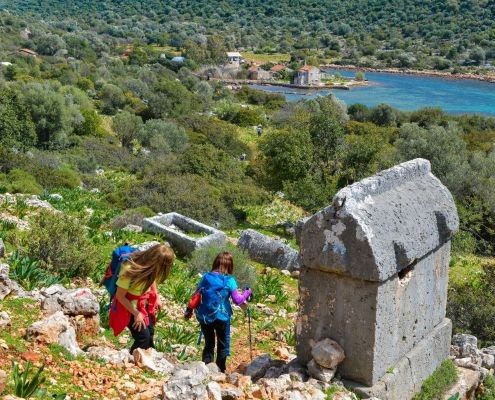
150, 265
224, 263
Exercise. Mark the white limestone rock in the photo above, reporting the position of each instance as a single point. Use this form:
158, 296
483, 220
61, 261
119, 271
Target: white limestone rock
328, 353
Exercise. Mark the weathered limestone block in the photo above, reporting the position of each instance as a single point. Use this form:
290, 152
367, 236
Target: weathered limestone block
268, 251
71, 301
375, 272
79, 302
185, 234
407, 376
49, 328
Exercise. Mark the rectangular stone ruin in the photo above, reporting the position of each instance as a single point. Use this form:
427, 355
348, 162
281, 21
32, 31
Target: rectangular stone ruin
374, 278
184, 234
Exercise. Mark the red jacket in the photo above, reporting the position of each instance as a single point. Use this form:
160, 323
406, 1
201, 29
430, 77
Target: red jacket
146, 305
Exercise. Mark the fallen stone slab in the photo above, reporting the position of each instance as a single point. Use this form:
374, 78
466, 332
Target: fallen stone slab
184, 234
269, 251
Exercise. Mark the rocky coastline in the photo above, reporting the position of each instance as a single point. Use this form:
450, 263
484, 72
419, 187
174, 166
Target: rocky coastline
407, 71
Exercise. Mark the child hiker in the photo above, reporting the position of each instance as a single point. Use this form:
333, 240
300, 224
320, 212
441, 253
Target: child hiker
136, 300
213, 310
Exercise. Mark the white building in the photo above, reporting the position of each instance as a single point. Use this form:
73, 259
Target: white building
234, 58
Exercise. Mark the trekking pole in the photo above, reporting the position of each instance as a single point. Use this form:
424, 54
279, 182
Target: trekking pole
250, 334
199, 338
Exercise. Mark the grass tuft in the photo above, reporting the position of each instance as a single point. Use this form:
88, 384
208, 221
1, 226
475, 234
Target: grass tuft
437, 384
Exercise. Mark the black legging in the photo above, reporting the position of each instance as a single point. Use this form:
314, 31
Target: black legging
219, 329
143, 339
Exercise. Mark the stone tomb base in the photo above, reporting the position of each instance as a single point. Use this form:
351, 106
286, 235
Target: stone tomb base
410, 372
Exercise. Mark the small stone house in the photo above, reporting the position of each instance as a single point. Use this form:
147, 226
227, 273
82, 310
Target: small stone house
256, 73
307, 76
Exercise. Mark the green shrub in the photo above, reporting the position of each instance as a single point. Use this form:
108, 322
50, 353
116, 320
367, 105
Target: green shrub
271, 284
20, 181
437, 384
57, 178
247, 117
244, 272
273, 214
61, 244
487, 391
133, 216
187, 194
471, 297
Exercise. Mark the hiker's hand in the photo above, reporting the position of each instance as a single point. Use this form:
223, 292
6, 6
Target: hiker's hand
250, 295
188, 314
139, 322
158, 304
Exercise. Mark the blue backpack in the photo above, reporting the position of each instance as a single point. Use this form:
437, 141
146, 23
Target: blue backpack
119, 255
215, 302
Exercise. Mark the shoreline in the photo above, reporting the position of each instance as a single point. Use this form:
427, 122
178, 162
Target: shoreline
345, 86
430, 73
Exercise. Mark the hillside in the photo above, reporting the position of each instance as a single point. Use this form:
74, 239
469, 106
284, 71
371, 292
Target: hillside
100, 129
413, 34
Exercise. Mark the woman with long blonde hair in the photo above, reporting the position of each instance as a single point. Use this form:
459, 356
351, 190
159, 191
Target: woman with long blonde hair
136, 300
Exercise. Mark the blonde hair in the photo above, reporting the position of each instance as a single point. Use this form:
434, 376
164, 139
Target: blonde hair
151, 265
224, 263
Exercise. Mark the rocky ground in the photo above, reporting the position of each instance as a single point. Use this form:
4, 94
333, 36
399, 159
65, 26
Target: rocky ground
64, 328
60, 328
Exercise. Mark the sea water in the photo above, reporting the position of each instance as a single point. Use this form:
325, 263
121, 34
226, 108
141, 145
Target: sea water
408, 92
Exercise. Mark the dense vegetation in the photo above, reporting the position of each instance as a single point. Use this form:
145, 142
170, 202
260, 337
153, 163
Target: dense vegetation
109, 131
420, 34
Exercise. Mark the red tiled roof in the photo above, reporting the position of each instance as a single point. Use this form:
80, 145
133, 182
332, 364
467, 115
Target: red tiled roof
277, 68
307, 68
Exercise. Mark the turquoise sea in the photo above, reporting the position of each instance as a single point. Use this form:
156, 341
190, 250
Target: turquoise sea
409, 92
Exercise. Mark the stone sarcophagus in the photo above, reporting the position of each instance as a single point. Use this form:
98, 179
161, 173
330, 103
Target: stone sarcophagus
185, 234
374, 278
